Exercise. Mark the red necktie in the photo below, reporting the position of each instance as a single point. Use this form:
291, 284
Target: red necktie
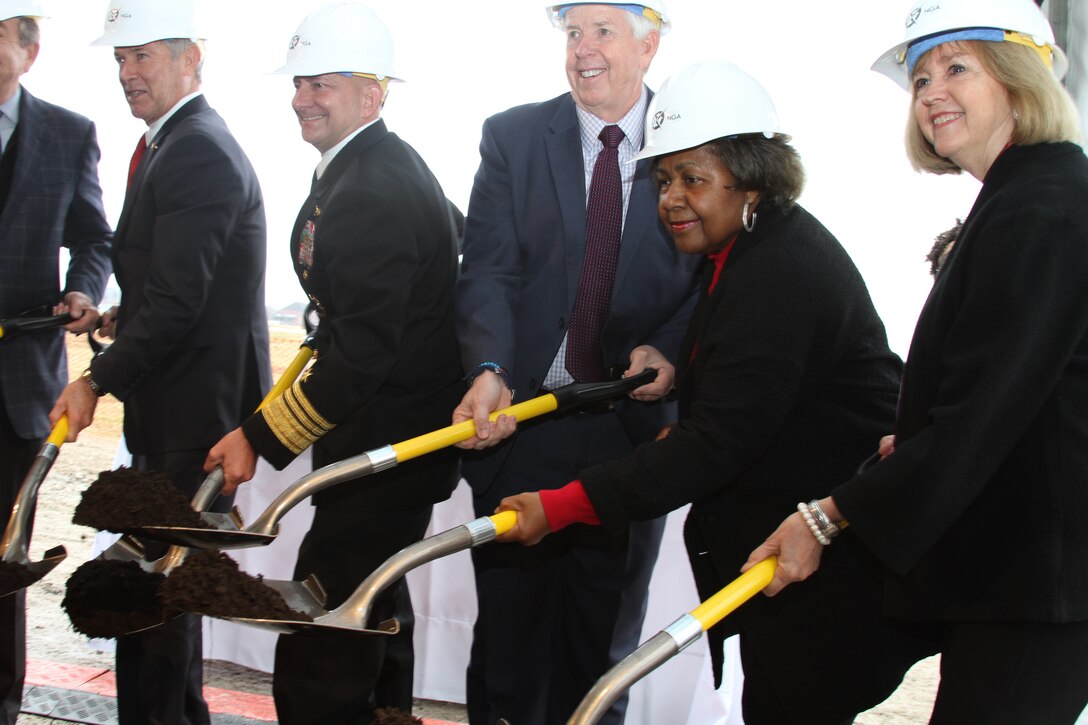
141, 147
604, 225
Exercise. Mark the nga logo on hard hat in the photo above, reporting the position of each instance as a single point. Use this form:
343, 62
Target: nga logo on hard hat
661, 117
919, 11
296, 40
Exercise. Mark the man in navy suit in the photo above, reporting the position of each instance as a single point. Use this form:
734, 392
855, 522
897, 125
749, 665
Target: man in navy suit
190, 359
551, 621
49, 198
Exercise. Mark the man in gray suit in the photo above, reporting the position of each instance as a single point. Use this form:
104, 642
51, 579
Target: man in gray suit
49, 198
552, 620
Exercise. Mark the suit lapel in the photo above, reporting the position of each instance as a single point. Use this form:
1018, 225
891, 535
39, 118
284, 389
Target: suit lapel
194, 106
28, 162
641, 219
564, 149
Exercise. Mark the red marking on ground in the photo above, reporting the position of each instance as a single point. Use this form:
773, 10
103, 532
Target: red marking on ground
102, 682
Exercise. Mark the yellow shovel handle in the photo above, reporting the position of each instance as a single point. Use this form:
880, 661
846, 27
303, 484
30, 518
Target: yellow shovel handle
443, 437
60, 432
290, 374
735, 593
504, 521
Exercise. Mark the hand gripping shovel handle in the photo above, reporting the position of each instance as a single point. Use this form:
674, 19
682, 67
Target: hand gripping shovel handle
671, 641
380, 459
16, 535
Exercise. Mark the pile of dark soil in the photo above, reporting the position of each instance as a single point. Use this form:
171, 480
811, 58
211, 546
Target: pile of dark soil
14, 576
107, 598
128, 499
393, 716
211, 583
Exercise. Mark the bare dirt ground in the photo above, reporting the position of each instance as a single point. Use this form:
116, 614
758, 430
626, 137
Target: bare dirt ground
50, 636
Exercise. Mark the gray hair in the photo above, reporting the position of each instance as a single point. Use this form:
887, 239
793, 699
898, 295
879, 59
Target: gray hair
641, 26
29, 33
177, 46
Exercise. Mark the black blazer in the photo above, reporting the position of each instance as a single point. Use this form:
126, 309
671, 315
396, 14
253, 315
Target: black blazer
524, 244
191, 356
980, 512
53, 199
790, 387
375, 248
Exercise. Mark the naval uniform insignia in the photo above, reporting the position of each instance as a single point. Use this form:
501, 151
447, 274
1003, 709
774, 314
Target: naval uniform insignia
306, 244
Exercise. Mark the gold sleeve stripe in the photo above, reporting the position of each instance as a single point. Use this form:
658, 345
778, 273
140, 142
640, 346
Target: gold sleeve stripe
294, 420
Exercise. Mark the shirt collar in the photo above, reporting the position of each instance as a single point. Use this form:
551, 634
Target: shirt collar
328, 156
633, 122
154, 128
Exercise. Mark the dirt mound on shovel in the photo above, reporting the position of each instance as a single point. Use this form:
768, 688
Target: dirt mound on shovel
14, 576
106, 598
127, 499
211, 583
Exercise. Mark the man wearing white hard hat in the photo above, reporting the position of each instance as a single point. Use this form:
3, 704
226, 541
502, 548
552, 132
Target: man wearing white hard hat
190, 359
49, 198
566, 276
375, 249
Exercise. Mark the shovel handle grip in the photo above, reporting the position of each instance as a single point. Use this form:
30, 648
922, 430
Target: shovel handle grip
504, 521
443, 437
291, 372
568, 396
60, 432
735, 593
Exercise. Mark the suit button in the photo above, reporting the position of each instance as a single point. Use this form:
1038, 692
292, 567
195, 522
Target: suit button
562, 324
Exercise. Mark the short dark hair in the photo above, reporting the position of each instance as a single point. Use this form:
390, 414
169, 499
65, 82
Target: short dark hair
769, 166
29, 33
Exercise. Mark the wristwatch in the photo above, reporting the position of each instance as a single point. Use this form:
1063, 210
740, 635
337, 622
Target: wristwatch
95, 387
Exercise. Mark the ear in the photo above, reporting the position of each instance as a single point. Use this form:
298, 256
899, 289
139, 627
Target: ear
751, 198
649, 48
31, 55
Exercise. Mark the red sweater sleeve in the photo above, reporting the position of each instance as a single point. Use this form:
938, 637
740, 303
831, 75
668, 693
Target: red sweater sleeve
568, 505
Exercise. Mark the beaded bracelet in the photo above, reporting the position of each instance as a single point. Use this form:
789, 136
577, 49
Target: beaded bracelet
495, 368
818, 522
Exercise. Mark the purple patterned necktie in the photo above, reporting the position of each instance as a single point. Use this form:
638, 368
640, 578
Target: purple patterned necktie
604, 224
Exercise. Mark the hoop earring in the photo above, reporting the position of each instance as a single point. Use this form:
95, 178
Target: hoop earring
749, 222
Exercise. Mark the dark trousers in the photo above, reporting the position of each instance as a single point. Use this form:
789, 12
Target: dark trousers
554, 617
339, 678
160, 671
16, 455
1012, 673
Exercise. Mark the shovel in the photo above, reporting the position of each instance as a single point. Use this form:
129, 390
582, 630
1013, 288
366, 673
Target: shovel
227, 531
671, 641
351, 616
128, 548
13, 549
14, 326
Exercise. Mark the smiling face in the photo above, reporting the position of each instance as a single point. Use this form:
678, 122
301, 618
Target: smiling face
605, 61
960, 108
153, 80
330, 106
698, 201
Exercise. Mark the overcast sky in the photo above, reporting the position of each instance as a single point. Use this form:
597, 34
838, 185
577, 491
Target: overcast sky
464, 61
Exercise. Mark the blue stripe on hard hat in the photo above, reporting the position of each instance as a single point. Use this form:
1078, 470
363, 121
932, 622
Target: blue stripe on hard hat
633, 8
919, 47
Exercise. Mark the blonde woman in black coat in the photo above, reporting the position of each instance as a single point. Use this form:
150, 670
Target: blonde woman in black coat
978, 513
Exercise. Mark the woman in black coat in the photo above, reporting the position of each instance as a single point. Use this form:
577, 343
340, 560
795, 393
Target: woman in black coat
786, 383
978, 514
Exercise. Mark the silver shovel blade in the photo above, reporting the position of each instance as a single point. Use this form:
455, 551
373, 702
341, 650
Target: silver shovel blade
35, 570
226, 532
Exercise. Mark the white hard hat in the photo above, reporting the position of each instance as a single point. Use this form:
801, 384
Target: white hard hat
20, 9
138, 22
654, 10
932, 22
703, 102
341, 38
